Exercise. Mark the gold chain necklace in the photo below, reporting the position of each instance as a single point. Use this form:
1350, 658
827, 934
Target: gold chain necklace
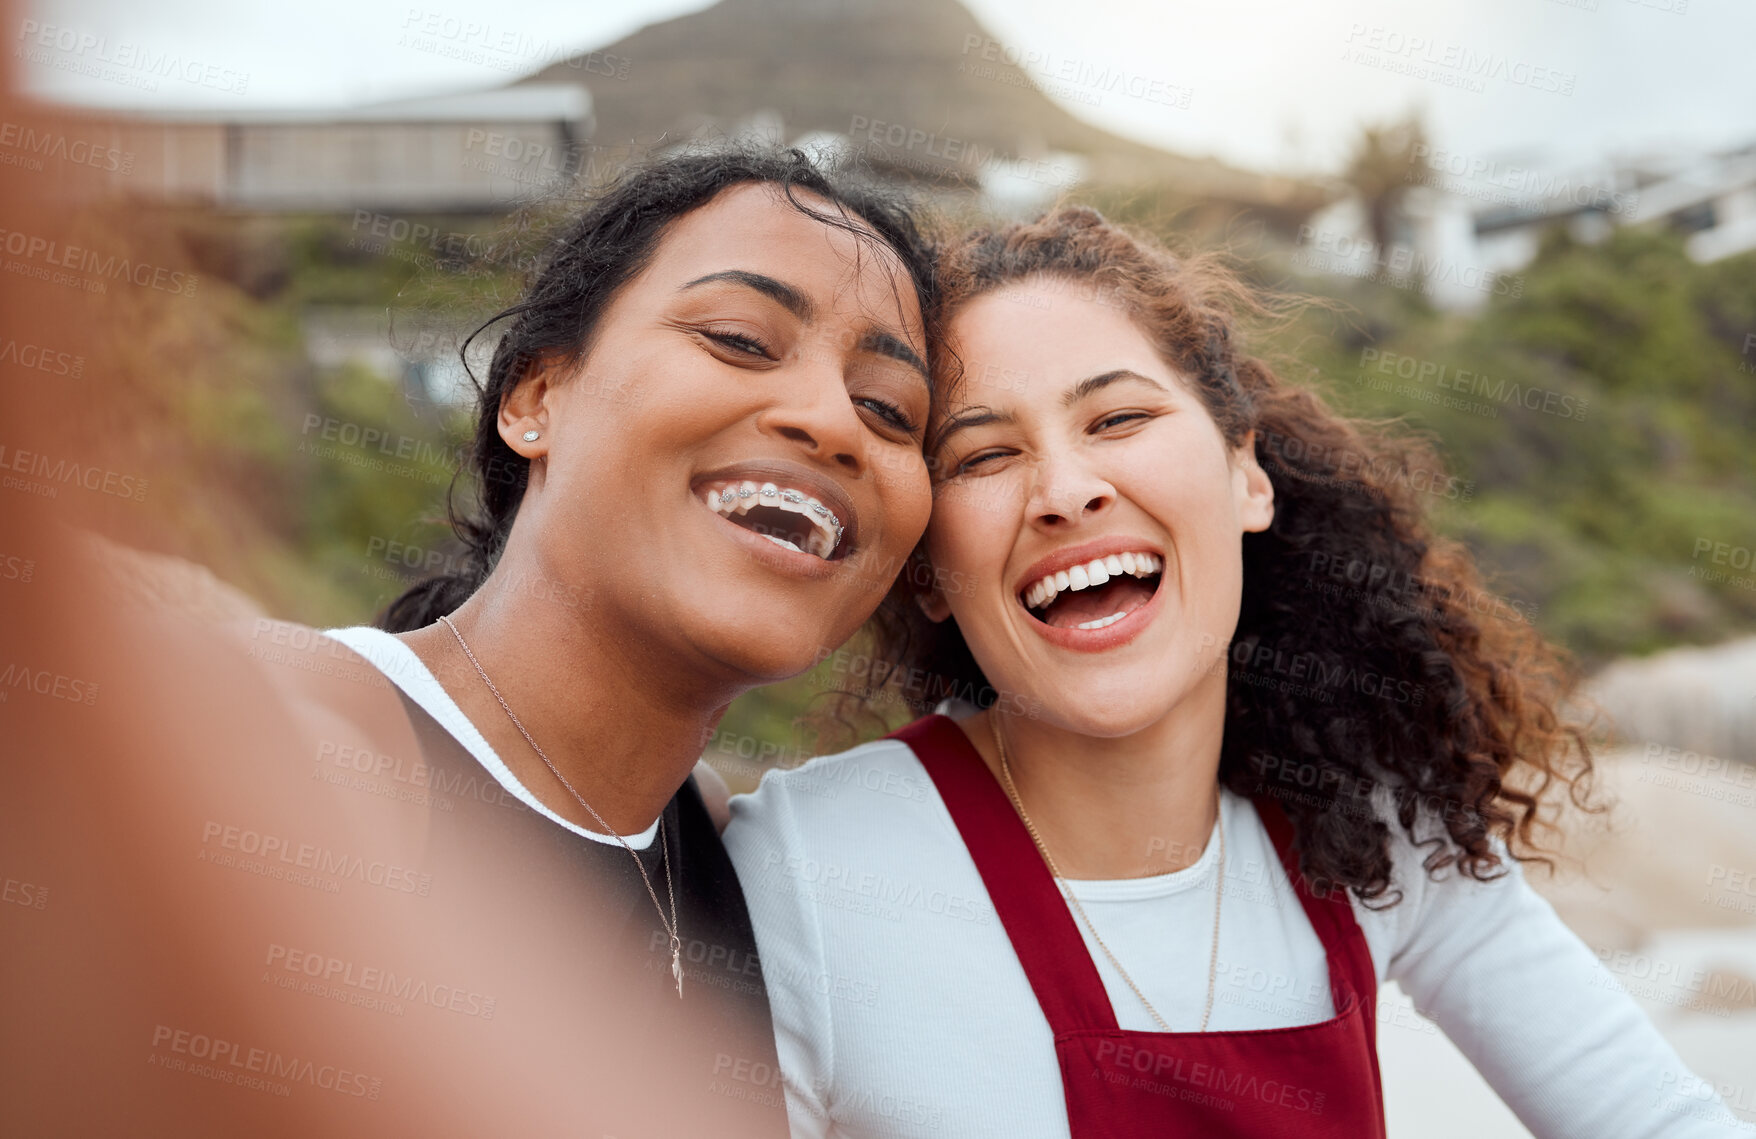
1073, 899
671, 927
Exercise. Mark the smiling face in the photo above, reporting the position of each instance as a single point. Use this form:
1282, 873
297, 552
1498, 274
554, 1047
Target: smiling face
1094, 502
734, 471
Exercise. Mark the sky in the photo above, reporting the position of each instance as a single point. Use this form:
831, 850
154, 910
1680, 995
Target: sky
1279, 85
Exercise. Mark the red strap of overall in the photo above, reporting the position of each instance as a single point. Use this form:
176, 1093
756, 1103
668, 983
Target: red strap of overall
1030, 905
1351, 976
1035, 913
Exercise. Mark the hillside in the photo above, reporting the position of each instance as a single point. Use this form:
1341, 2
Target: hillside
864, 69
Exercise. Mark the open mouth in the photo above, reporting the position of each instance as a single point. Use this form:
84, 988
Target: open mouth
1095, 594
786, 516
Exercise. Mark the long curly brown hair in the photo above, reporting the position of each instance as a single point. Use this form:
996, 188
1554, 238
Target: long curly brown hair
1367, 653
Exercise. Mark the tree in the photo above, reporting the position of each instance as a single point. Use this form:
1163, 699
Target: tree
1380, 172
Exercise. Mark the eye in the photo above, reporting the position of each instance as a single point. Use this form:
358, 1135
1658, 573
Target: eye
888, 412
976, 460
1119, 419
738, 342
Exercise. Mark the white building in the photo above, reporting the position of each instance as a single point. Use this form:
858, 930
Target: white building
473, 152
1465, 234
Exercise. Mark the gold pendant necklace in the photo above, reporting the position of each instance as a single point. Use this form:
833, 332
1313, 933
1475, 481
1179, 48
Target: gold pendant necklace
1073, 899
671, 927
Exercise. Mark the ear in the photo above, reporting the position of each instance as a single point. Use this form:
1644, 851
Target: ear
1252, 492
931, 598
526, 408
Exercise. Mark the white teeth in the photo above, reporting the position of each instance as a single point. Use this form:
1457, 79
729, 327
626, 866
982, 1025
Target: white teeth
1096, 572
738, 497
819, 515
783, 542
1102, 621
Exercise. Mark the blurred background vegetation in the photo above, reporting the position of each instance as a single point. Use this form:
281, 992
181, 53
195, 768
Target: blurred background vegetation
1588, 520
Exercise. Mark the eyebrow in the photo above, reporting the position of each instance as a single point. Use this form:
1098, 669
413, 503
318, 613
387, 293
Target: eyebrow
884, 344
979, 416
982, 416
790, 298
1097, 383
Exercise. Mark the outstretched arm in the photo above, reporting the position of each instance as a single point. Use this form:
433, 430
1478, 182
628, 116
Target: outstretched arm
1539, 1015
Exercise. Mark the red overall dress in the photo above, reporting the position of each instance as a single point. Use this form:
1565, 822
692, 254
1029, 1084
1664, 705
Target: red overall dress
1308, 1081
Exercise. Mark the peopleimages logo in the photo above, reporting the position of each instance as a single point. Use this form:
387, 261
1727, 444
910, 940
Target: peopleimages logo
291, 966
268, 850
927, 152
1150, 1069
501, 48
40, 359
237, 1060
114, 267
1401, 266
46, 682
1451, 64
1499, 392
19, 467
38, 145
1475, 176
1083, 81
69, 49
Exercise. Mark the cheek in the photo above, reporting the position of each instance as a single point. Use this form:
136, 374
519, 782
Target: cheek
905, 493
914, 523
662, 386
968, 536
1185, 481
1196, 508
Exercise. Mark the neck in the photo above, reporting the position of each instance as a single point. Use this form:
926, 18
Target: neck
623, 730
1123, 807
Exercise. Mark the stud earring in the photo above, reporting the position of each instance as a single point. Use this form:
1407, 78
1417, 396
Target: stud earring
532, 436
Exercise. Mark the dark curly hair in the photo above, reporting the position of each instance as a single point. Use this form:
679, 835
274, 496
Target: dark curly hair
604, 248
1363, 656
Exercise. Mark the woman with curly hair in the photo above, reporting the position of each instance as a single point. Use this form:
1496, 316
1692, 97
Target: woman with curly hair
1224, 742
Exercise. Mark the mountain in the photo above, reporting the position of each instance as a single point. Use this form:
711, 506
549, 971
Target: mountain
916, 85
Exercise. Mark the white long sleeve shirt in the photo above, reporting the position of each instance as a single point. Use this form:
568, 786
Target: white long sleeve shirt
901, 1009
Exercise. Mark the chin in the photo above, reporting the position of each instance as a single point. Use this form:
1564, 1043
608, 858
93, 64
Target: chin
1103, 714
763, 647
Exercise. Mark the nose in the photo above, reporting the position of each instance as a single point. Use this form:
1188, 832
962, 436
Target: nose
813, 411
1066, 494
